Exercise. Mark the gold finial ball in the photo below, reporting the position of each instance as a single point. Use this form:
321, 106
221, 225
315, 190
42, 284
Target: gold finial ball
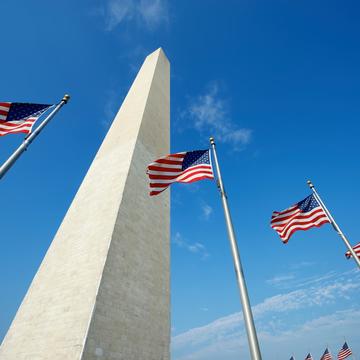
309, 182
212, 140
66, 98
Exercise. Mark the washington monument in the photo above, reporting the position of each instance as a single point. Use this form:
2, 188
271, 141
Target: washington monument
102, 290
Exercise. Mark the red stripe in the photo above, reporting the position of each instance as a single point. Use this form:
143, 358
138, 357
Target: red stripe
171, 162
285, 240
16, 132
167, 185
159, 185
163, 169
296, 216
275, 220
4, 104
198, 178
162, 177
294, 223
156, 177
9, 123
195, 173
290, 209
177, 155
3, 112
152, 193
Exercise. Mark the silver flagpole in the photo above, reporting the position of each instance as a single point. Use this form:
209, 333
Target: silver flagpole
248, 317
30, 138
333, 223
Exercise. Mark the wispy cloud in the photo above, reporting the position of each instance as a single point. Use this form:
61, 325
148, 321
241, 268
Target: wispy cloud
210, 113
148, 13
225, 337
207, 211
280, 279
196, 247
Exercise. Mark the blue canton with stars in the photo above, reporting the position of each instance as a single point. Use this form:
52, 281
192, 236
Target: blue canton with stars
308, 204
20, 111
196, 157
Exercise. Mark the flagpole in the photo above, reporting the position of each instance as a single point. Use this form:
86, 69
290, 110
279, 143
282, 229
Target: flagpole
30, 138
333, 223
248, 317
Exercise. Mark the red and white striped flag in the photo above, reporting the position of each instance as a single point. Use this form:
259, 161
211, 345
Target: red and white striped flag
19, 117
344, 352
184, 167
356, 249
301, 216
326, 355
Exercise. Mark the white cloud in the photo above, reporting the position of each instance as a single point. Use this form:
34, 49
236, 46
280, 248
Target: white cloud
153, 12
207, 210
196, 247
282, 327
148, 13
210, 113
280, 279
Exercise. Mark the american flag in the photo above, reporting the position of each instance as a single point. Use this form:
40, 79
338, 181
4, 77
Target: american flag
344, 352
301, 216
185, 167
308, 357
19, 117
357, 252
326, 355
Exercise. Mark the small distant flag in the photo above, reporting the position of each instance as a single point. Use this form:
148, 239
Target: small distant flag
184, 167
301, 216
357, 252
19, 117
326, 355
344, 352
308, 357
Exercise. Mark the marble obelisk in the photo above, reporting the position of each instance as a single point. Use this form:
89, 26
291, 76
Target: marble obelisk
102, 290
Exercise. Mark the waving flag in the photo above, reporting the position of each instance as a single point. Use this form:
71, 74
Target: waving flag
326, 355
19, 117
357, 252
344, 352
308, 357
184, 167
301, 216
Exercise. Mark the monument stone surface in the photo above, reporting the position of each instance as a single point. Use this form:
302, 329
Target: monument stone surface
102, 290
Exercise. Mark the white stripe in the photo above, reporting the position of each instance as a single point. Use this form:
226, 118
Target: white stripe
15, 130
174, 159
155, 172
7, 127
2, 117
280, 216
196, 176
167, 156
25, 126
193, 169
5, 108
160, 181
170, 166
299, 227
181, 177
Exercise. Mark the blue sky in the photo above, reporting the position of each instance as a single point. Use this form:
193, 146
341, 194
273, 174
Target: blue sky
276, 83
